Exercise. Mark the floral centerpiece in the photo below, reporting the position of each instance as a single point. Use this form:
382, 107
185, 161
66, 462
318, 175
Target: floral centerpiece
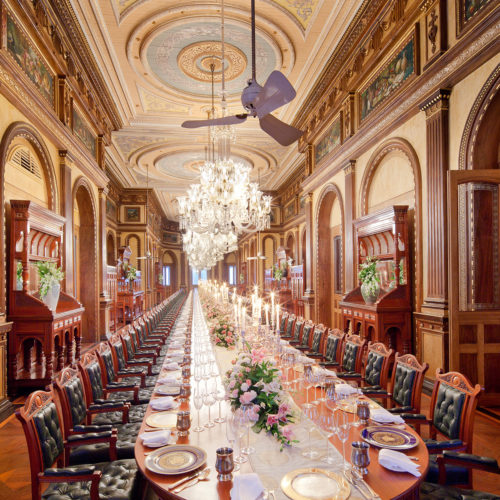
257, 380
370, 282
223, 334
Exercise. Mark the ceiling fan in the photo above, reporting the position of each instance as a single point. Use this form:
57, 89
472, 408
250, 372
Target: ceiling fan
260, 102
147, 254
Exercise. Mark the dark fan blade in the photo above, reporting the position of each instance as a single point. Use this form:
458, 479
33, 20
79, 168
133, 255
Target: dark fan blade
227, 120
279, 131
277, 92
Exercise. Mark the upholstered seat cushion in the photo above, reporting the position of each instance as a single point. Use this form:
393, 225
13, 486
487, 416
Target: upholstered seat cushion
430, 491
143, 397
119, 481
99, 452
454, 473
135, 414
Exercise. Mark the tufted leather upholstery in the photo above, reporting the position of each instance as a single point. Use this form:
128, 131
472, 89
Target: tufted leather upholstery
373, 368
94, 373
316, 341
306, 335
136, 414
448, 410
282, 323
429, 491
349, 359
289, 326
49, 433
331, 348
119, 481
296, 332
143, 397
76, 400
404, 384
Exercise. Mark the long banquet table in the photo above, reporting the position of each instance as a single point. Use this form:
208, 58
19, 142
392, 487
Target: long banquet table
268, 461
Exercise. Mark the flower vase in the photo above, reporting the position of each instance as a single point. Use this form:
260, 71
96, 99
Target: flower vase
52, 297
370, 291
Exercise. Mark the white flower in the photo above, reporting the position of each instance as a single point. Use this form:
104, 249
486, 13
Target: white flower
244, 387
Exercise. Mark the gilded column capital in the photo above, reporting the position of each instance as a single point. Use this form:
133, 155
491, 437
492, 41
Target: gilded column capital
438, 101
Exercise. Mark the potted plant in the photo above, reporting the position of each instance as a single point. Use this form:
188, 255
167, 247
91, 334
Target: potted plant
277, 272
370, 282
49, 286
130, 275
19, 275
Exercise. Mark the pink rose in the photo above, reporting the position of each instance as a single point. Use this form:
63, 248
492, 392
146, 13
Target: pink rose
234, 394
249, 382
288, 431
232, 384
248, 397
247, 369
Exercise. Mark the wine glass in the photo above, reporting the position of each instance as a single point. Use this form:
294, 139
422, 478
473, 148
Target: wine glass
321, 383
328, 426
231, 435
209, 400
220, 395
342, 427
238, 423
310, 413
308, 383
250, 417
198, 403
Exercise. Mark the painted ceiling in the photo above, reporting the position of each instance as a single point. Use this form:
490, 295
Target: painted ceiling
156, 57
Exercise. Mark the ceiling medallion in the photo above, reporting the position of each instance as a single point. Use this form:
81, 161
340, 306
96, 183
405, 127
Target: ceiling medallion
195, 61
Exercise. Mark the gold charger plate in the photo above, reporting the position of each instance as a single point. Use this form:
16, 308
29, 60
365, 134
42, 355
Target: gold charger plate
315, 484
176, 459
350, 406
162, 420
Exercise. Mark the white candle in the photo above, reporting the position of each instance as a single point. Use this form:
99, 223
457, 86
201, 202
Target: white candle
277, 316
244, 312
272, 307
266, 308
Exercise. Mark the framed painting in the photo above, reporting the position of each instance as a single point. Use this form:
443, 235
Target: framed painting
469, 12
401, 68
331, 140
275, 216
289, 210
110, 209
83, 132
132, 214
28, 59
170, 238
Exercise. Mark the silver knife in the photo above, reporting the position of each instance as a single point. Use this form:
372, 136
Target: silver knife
184, 479
370, 490
186, 485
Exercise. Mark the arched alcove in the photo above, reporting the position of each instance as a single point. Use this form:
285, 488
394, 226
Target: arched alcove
134, 243
327, 303
110, 250
290, 246
21, 134
85, 262
170, 259
393, 177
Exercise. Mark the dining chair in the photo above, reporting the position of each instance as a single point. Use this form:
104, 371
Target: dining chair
352, 356
283, 321
41, 421
318, 336
376, 367
298, 328
452, 410
129, 342
406, 385
119, 393
77, 419
290, 323
333, 348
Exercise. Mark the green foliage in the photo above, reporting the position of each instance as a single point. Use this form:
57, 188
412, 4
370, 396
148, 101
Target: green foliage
368, 273
49, 274
19, 270
277, 272
401, 274
131, 273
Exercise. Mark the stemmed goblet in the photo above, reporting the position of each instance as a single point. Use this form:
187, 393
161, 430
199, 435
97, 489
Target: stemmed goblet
198, 403
343, 427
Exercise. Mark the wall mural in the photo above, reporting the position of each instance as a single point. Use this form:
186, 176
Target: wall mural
329, 142
289, 210
468, 11
83, 132
392, 76
29, 60
110, 209
274, 216
170, 238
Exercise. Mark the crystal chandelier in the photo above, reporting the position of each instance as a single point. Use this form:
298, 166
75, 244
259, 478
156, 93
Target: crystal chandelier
204, 250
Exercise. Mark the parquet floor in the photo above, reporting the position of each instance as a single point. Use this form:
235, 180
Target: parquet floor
15, 472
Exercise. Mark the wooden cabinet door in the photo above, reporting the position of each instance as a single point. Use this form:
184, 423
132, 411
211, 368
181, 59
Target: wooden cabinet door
474, 278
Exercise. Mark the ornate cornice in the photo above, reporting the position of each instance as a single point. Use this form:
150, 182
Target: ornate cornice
439, 100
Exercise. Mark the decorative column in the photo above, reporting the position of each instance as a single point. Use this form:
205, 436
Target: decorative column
350, 280
105, 303
432, 321
308, 297
66, 210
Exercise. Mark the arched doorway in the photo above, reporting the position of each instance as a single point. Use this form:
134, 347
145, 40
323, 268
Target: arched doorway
290, 246
329, 277
85, 258
170, 270
110, 250
474, 208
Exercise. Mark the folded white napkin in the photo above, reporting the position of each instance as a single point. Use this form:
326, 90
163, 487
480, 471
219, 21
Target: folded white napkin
155, 438
284, 342
396, 460
174, 357
346, 389
172, 365
163, 403
382, 416
246, 487
175, 352
171, 381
